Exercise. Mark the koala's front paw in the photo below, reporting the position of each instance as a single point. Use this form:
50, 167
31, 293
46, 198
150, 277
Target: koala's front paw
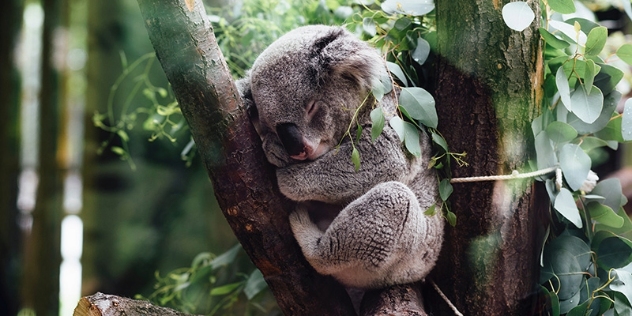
275, 153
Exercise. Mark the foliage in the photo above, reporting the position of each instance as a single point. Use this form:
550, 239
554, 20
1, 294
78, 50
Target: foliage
586, 261
211, 287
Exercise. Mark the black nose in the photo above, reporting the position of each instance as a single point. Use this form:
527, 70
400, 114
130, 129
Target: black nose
291, 138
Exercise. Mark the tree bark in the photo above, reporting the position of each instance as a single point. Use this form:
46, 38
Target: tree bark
10, 241
488, 92
101, 304
244, 182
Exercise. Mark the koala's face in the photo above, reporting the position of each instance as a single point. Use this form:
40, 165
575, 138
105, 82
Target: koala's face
306, 88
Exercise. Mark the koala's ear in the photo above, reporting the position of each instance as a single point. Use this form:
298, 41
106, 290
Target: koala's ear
243, 86
339, 53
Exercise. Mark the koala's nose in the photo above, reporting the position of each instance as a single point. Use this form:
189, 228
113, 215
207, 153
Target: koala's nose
291, 138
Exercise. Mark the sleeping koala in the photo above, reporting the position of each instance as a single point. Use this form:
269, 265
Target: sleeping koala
302, 93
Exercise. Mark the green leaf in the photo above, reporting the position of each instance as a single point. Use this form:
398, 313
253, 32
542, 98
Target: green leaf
625, 53
369, 26
552, 40
612, 251
411, 139
439, 140
118, 150
225, 289
545, 154
355, 158
589, 143
621, 305
420, 105
575, 165
377, 122
596, 40
561, 81
612, 191
445, 189
565, 205
518, 15
623, 283
410, 7
589, 75
612, 131
604, 215
397, 72
626, 121
562, 6
569, 33
609, 106
451, 217
431, 211
560, 132
255, 284
398, 125
608, 78
421, 52
226, 258
587, 106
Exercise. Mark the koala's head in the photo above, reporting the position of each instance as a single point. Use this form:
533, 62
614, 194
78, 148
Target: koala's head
306, 87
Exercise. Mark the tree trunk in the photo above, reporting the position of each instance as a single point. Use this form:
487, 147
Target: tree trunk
40, 288
10, 21
101, 304
488, 92
243, 181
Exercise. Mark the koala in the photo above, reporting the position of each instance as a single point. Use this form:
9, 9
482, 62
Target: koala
367, 228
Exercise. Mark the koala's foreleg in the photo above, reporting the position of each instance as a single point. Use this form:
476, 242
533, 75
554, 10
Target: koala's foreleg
366, 242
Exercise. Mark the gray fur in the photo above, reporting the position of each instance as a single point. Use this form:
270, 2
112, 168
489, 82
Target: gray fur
381, 236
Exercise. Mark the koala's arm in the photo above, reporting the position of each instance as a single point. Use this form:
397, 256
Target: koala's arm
332, 178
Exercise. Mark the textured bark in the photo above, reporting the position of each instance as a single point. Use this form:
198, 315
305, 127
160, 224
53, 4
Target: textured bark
488, 91
243, 181
101, 304
10, 241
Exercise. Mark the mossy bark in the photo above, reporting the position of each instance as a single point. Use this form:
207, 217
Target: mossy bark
488, 92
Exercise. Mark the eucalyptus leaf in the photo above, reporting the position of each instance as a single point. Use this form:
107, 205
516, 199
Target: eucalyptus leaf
623, 283
612, 131
609, 106
545, 154
614, 252
369, 26
561, 81
421, 52
596, 40
553, 40
411, 139
565, 205
377, 122
560, 132
589, 143
410, 7
398, 125
587, 106
255, 284
626, 121
589, 75
439, 140
518, 15
608, 78
604, 215
611, 190
397, 72
355, 158
445, 189
568, 31
625, 53
226, 258
562, 6
575, 164
420, 105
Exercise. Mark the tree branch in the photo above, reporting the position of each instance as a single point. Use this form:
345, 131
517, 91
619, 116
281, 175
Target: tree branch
244, 182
